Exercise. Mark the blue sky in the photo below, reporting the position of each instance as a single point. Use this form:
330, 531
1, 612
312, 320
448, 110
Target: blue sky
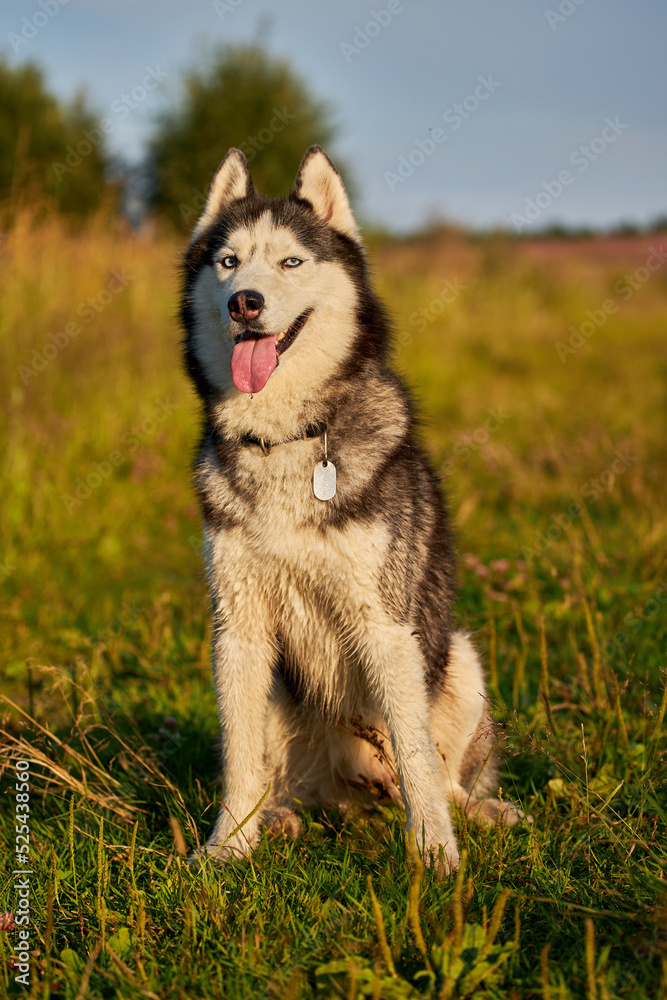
559, 75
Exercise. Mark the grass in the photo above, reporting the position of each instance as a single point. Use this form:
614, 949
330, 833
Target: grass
556, 472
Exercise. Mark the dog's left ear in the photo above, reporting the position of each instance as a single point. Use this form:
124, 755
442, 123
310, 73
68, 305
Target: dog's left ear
319, 182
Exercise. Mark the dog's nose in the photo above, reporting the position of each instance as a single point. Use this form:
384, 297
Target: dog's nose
245, 305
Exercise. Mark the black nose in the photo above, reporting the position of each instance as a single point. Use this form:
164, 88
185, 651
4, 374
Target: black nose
245, 305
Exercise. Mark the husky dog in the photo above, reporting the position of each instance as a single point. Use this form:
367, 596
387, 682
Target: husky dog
337, 670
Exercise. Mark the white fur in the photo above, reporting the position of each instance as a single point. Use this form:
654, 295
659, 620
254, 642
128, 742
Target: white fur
364, 716
323, 599
274, 574
316, 353
232, 181
320, 184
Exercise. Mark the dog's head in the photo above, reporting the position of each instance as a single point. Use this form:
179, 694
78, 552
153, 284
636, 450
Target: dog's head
276, 293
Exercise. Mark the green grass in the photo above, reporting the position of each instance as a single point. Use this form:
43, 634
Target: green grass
105, 643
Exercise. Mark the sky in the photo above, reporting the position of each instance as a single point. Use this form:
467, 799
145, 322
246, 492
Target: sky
513, 113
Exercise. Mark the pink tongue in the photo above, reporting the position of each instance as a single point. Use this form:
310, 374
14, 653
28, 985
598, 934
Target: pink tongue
252, 363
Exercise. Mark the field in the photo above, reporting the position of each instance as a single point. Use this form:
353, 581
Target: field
540, 368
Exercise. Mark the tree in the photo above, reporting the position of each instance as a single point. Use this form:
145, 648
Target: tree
245, 98
51, 156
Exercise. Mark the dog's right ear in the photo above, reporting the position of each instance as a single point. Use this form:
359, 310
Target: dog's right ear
319, 183
232, 181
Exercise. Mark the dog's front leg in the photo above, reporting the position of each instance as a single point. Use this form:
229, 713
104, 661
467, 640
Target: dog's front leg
243, 656
396, 675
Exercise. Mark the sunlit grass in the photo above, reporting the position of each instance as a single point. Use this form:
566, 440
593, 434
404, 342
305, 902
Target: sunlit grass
556, 472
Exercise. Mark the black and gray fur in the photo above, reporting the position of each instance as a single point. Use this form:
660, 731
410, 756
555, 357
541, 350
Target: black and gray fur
336, 665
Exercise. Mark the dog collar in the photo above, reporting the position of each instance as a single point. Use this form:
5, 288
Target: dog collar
311, 431
324, 474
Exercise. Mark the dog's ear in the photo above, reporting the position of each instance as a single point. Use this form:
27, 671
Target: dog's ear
319, 182
232, 181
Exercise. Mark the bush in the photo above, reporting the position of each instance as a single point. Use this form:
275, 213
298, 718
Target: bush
242, 98
51, 156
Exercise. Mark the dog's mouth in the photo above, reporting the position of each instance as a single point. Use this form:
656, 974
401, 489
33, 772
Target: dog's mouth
255, 355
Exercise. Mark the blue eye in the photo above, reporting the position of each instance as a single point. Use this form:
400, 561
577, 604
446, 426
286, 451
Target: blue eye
292, 262
229, 262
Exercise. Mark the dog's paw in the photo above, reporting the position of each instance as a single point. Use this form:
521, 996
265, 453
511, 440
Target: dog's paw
510, 814
442, 860
219, 854
490, 811
283, 821
437, 848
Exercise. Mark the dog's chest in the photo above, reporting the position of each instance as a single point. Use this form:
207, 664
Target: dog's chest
316, 585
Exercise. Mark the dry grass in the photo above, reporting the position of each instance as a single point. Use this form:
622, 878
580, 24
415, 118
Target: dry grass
105, 651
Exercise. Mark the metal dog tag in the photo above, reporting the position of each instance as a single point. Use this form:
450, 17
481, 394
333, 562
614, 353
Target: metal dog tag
324, 480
